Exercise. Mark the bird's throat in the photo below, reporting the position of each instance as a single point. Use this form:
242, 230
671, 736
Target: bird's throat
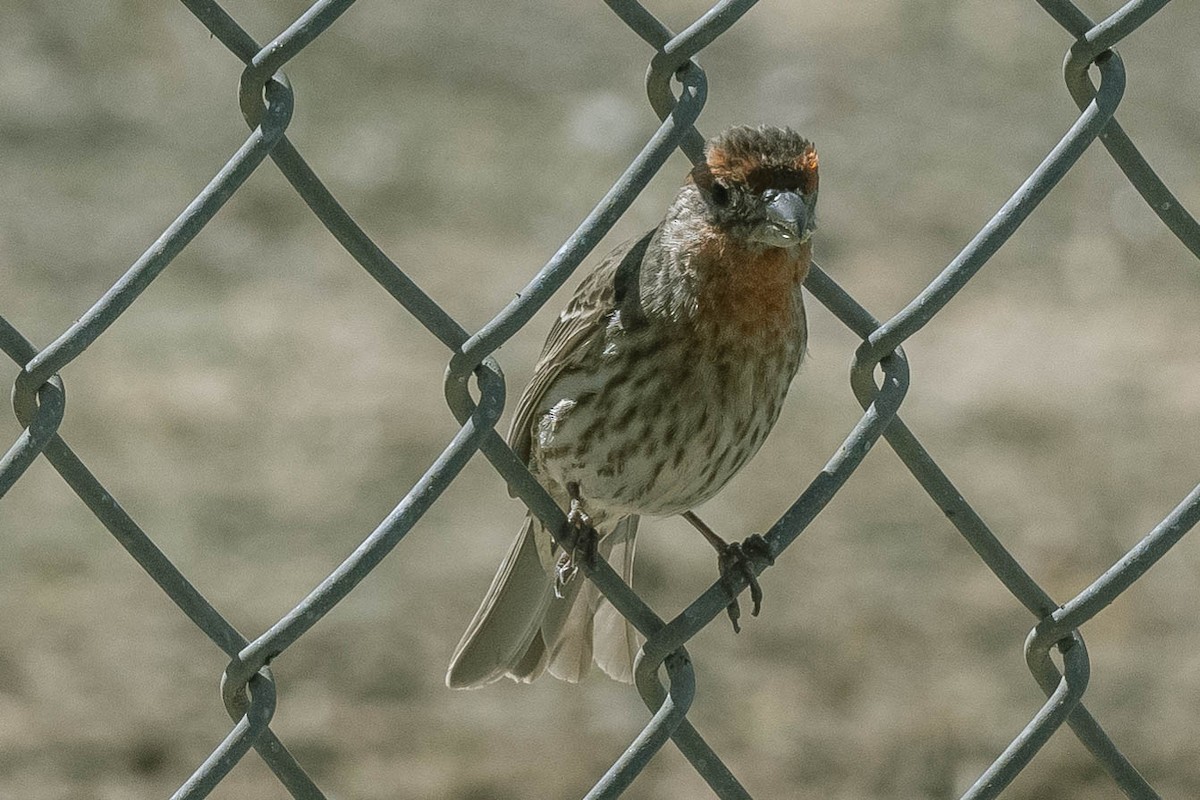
749, 292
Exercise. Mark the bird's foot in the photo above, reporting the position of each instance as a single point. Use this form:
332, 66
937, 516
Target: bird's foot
736, 560
582, 540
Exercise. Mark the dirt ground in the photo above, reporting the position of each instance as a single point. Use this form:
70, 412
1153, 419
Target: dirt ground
264, 404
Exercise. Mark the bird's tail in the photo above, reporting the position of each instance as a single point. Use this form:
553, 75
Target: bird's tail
522, 629
583, 625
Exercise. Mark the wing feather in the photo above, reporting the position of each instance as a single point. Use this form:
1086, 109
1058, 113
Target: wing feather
579, 328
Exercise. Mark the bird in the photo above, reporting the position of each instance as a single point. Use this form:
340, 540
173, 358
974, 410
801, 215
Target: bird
657, 383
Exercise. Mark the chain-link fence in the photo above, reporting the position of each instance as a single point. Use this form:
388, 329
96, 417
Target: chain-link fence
676, 86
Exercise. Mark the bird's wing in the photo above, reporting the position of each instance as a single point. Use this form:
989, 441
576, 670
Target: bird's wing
609, 286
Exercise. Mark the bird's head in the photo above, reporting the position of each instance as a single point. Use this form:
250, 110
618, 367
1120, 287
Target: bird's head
759, 186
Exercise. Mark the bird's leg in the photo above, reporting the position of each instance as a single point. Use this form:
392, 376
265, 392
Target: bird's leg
735, 559
582, 539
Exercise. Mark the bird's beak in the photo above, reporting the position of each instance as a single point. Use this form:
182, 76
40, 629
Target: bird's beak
787, 221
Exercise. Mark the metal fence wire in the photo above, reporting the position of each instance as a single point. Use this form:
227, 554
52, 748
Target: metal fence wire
879, 377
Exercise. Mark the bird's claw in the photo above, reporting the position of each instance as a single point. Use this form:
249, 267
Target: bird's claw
737, 560
582, 540
582, 534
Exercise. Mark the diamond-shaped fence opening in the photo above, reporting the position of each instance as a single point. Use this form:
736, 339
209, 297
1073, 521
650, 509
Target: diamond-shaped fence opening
475, 391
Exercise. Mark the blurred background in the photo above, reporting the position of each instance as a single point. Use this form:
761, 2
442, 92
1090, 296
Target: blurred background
264, 405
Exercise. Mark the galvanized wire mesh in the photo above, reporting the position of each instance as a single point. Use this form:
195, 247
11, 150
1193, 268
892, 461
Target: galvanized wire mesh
676, 86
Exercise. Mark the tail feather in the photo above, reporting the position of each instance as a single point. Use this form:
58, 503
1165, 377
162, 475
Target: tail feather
616, 641
567, 632
588, 627
507, 621
522, 629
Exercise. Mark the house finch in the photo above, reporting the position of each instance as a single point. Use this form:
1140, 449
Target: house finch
658, 382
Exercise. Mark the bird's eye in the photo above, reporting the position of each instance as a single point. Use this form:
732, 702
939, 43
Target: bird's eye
720, 194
